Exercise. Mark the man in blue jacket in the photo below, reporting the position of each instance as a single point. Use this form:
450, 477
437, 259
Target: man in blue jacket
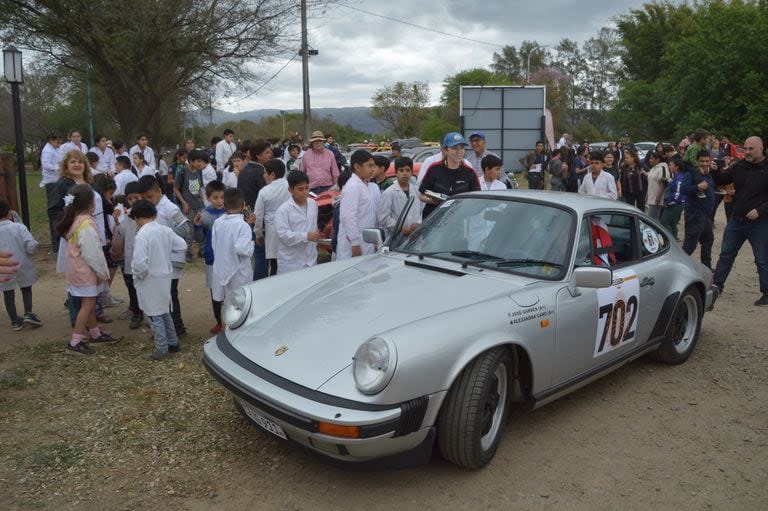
698, 187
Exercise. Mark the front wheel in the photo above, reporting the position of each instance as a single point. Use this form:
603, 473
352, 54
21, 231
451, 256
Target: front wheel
684, 328
474, 412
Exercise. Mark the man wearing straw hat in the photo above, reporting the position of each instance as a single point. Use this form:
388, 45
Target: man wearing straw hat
319, 164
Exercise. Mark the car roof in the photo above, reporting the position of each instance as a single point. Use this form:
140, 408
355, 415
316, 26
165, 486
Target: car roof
577, 202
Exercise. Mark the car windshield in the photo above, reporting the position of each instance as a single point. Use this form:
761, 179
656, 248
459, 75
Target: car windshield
513, 236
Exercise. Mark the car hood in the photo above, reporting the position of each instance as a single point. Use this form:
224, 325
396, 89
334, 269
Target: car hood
314, 334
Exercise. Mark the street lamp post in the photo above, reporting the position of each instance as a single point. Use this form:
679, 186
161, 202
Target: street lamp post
282, 114
14, 76
528, 65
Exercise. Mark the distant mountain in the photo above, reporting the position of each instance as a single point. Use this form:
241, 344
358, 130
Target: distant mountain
359, 117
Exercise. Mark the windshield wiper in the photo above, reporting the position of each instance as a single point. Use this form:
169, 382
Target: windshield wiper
527, 262
466, 254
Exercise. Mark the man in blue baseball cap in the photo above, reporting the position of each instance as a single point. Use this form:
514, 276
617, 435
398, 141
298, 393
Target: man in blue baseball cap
448, 177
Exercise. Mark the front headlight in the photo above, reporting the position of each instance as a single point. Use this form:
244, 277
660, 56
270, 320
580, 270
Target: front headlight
374, 364
236, 307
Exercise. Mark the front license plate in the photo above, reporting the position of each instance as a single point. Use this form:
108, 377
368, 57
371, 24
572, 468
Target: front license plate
262, 421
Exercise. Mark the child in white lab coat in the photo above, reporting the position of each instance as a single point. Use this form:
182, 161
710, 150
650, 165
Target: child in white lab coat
232, 242
152, 273
271, 197
396, 197
296, 226
16, 239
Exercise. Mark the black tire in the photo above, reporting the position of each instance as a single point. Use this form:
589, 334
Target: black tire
683, 330
475, 410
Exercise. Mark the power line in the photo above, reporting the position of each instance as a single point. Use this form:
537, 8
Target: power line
270, 78
428, 29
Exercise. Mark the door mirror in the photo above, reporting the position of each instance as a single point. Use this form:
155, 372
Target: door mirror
592, 277
374, 236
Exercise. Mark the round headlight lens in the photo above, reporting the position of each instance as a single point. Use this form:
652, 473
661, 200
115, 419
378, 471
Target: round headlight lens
374, 364
236, 307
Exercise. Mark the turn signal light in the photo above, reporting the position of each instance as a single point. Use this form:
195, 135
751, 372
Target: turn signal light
338, 430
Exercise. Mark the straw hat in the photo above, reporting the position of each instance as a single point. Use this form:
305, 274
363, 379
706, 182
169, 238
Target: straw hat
317, 135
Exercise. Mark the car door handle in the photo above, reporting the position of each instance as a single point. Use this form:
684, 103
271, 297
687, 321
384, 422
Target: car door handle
647, 281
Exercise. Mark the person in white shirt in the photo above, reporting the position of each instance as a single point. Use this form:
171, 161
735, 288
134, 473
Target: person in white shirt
209, 174
75, 142
225, 149
50, 163
142, 147
598, 183
170, 215
231, 172
119, 149
296, 226
232, 242
152, 271
142, 167
396, 197
106, 156
270, 198
357, 209
491, 166
123, 175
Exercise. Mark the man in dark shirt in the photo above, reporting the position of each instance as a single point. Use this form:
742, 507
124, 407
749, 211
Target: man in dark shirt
448, 177
251, 181
749, 220
698, 207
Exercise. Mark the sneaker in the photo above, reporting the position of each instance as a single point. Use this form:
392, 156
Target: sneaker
215, 329
32, 319
17, 324
174, 348
103, 319
763, 300
105, 337
181, 332
157, 355
135, 322
80, 348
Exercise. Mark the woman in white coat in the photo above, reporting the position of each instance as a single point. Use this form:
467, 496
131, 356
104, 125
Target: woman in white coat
357, 208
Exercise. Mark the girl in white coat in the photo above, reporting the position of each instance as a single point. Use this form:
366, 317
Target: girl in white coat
16, 239
152, 273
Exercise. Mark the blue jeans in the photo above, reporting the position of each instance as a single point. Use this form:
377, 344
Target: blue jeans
698, 229
165, 333
259, 262
74, 303
736, 233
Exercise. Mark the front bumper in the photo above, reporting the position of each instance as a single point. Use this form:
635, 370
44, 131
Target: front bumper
391, 435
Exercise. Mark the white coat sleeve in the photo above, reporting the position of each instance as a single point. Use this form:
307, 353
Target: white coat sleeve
220, 161
50, 160
386, 220
92, 253
612, 192
30, 243
583, 186
244, 241
350, 204
140, 264
283, 228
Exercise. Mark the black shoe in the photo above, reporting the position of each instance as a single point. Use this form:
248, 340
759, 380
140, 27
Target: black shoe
32, 319
763, 300
103, 319
174, 348
135, 322
105, 337
181, 332
157, 355
80, 348
17, 324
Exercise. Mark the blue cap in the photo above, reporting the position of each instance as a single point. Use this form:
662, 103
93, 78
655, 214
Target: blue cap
477, 134
453, 139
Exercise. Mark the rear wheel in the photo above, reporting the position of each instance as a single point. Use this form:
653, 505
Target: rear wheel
474, 411
684, 328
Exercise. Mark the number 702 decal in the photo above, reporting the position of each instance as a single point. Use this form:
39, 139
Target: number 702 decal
617, 313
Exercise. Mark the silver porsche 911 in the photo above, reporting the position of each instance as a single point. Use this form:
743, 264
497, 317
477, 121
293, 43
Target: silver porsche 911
499, 298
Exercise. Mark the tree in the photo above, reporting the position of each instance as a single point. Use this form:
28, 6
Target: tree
401, 106
570, 61
159, 57
603, 61
514, 64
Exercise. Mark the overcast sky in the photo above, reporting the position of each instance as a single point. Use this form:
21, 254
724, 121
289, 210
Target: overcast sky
360, 52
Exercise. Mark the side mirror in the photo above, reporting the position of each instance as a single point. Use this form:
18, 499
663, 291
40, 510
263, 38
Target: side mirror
592, 277
374, 236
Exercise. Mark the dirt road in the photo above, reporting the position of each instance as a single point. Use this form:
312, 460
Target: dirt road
117, 432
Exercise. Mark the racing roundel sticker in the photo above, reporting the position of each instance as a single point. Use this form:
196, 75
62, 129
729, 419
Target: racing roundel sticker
650, 240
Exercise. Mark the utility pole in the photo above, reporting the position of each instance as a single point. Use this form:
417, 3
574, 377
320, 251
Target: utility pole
305, 52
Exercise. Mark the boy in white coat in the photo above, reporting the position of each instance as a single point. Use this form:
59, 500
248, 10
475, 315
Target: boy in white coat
357, 210
296, 227
232, 242
396, 197
270, 198
152, 273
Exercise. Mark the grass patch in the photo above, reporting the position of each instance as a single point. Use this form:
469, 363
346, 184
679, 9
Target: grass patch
17, 378
57, 456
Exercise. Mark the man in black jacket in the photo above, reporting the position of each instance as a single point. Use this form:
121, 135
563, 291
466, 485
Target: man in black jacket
750, 214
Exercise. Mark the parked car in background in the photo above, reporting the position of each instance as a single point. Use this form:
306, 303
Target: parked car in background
499, 298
